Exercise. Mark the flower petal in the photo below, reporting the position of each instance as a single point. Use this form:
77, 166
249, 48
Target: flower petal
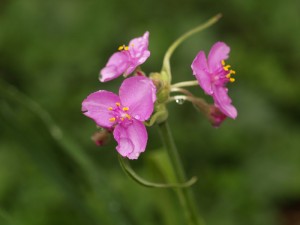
138, 49
139, 45
96, 107
223, 102
117, 64
218, 52
138, 94
200, 70
132, 139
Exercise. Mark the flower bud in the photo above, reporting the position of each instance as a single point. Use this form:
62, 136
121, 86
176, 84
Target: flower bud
162, 87
215, 116
101, 137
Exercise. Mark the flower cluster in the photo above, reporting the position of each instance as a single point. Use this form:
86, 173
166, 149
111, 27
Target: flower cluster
125, 114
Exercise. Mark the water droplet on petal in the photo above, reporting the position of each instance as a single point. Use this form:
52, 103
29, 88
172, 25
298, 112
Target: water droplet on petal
180, 101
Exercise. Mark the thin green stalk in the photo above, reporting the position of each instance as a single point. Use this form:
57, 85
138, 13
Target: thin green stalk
185, 195
185, 84
171, 49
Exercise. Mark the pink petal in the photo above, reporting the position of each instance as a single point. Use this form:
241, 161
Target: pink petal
223, 102
200, 70
116, 65
139, 45
138, 49
138, 94
218, 52
132, 139
96, 107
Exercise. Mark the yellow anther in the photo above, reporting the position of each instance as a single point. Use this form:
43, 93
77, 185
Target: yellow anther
110, 108
123, 47
231, 79
226, 67
232, 71
223, 63
228, 75
118, 103
125, 109
122, 119
127, 116
113, 119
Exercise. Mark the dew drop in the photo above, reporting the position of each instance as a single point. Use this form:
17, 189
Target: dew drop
179, 101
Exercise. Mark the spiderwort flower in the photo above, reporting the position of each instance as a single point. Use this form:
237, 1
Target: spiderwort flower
124, 114
213, 75
127, 59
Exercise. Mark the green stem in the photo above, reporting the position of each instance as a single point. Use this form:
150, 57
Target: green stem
186, 84
185, 195
171, 49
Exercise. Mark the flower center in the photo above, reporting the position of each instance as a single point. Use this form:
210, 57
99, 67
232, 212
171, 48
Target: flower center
228, 72
119, 113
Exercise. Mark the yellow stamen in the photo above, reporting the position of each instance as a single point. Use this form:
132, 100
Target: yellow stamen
223, 63
122, 119
125, 109
113, 119
127, 116
231, 79
118, 103
228, 75
123, 47
226, 67
232, 71
110, 108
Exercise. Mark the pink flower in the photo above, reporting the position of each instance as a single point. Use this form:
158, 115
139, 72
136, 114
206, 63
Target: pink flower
124, 114
127, 59
213, 75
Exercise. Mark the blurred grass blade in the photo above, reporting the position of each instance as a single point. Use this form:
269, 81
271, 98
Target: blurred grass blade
130, 172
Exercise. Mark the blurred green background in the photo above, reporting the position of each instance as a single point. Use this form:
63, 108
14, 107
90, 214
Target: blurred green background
52, 173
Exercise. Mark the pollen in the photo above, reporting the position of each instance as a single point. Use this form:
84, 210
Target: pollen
226, 68
110, 108
118, 104
231, 79
127, 116
125, 109
113, 119
223, 63
123, 47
